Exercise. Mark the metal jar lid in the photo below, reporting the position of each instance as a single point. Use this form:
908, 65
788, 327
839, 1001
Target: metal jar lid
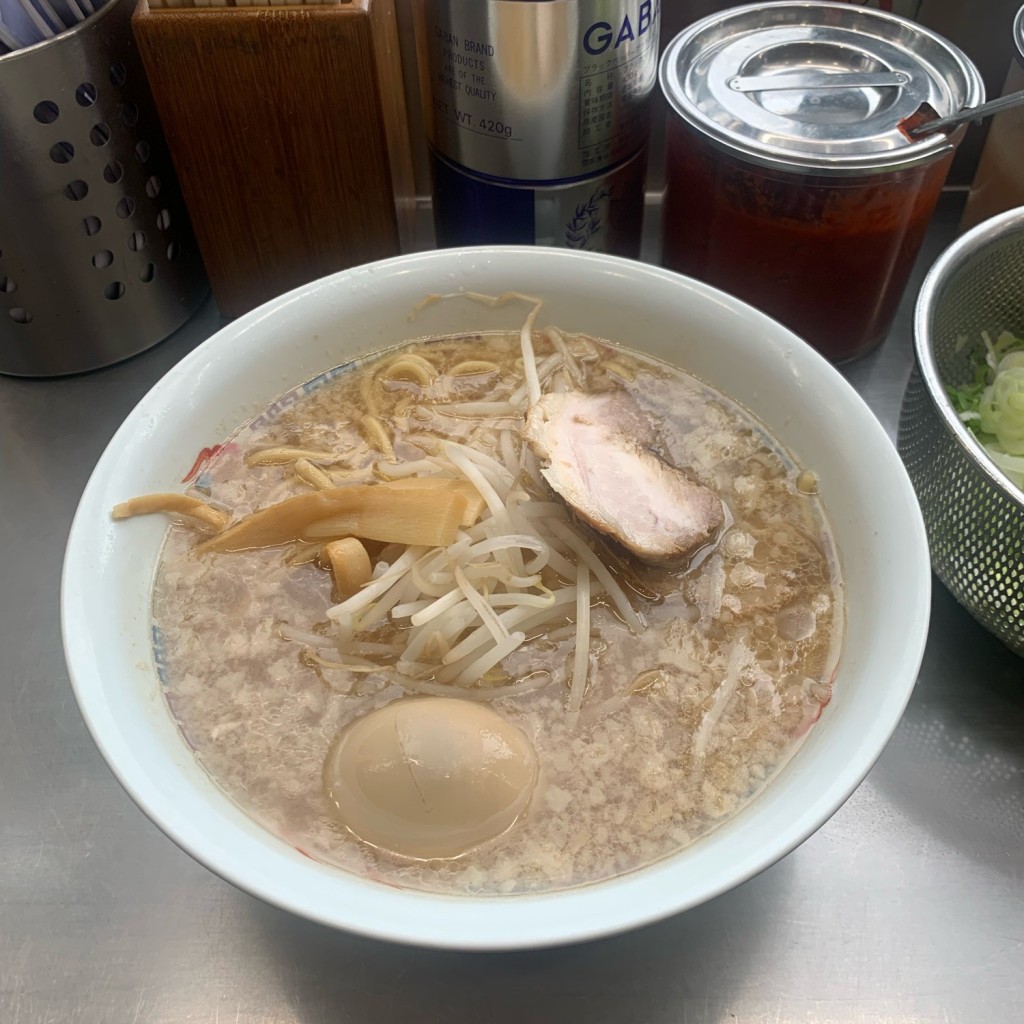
816, 87
1018, 34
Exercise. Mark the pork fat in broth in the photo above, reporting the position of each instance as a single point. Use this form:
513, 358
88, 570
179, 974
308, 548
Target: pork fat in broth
496, 613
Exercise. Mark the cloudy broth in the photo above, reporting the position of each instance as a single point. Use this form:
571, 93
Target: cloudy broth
681, 725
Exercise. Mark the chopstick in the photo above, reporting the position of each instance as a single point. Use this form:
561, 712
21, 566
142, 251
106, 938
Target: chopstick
37, 19
9, 39
44, 21
55, 20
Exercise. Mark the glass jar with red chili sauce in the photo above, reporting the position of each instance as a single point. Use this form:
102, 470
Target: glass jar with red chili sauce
790, 181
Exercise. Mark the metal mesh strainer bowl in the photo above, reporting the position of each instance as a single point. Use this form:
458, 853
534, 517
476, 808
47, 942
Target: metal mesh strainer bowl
973, 514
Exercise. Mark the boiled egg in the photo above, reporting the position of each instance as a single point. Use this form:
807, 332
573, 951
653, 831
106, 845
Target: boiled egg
430, 778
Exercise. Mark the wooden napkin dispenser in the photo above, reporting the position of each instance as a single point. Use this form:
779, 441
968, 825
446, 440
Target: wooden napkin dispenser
287, 127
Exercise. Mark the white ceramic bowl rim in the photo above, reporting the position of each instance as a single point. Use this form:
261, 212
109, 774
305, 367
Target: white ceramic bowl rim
106, 575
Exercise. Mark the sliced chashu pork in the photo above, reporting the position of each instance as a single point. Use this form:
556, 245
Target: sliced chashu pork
594, 461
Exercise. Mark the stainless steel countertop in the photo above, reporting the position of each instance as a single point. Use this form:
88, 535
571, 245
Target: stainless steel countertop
906, 908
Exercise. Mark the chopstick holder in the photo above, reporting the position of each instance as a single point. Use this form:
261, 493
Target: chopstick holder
98, 260
288, 131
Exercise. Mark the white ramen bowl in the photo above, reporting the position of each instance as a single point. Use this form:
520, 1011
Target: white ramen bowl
108, 573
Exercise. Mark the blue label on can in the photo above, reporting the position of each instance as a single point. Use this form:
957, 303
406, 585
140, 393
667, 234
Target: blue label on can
603, 213
471, 211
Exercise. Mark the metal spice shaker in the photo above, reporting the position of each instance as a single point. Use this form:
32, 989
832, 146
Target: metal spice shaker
538, 116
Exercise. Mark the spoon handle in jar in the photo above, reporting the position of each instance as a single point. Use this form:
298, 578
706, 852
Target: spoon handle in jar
1013, 99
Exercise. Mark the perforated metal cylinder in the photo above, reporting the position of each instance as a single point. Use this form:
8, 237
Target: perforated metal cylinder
97, 257
974, 515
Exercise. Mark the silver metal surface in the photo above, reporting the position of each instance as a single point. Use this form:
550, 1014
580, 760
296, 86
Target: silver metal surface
97, 256
849, 74
537, 92
906, 908
974, 515
803, 81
